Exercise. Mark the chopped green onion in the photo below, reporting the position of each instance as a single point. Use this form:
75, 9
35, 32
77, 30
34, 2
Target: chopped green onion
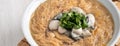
73, 20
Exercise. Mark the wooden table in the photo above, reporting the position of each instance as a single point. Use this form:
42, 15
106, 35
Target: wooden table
25, 43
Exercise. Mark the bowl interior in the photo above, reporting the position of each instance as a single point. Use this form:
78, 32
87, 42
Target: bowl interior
116, 18
26, 19
32, 7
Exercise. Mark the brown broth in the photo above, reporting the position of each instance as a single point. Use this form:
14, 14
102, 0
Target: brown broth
47, 10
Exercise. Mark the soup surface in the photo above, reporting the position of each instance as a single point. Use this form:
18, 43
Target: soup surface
47, 10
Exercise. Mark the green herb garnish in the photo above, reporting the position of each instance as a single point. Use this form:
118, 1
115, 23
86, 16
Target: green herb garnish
73, 20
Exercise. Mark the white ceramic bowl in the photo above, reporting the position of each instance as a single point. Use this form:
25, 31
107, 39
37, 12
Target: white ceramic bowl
107, 3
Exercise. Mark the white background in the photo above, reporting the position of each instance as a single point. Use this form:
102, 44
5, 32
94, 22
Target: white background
11, 12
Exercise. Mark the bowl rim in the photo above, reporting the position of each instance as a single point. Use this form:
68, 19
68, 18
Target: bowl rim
112, 8
32, 7
26, 18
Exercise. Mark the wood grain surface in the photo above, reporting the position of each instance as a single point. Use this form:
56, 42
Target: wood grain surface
23, 42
